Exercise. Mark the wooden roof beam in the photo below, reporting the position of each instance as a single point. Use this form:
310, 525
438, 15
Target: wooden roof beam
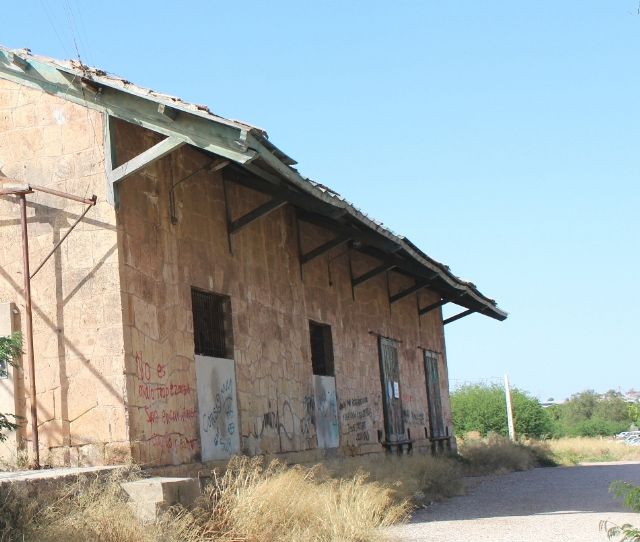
259, 212
325, 247
458, 316
419, 285
438, 304
356, 281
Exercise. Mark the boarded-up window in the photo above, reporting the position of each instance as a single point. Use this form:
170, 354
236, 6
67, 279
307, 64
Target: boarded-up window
212, 333
391, 401
321, 349
432, 374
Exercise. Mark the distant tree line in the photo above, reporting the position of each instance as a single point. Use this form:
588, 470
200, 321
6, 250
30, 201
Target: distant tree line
590, 414
482, 408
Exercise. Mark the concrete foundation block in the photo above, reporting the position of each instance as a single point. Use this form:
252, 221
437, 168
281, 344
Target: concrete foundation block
152, 496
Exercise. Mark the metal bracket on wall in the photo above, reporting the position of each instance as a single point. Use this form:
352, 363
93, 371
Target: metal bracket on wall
238, 224
357, 281
439, 304
324, 247
211, 167
419, 285
146, 158
457, 316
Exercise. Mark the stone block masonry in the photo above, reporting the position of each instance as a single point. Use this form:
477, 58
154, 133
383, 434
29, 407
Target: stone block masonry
271, 303
116, 369
78, 332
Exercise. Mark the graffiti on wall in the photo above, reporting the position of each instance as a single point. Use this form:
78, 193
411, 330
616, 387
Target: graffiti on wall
157, 395
357, 419
217, 404
413, 417
298, 424
326, 411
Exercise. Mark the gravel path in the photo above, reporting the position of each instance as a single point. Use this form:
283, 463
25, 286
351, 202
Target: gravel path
550, 504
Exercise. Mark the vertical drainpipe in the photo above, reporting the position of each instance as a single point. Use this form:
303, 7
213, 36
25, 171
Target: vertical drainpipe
29, 329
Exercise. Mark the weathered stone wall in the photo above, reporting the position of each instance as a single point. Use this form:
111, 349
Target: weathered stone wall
272, 304
77, 313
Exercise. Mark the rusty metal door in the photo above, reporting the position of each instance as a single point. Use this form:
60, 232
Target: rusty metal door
391, 401
432, 374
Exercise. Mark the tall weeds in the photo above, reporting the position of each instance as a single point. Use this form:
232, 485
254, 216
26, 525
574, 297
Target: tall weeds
346, 500
276, 503
498, 455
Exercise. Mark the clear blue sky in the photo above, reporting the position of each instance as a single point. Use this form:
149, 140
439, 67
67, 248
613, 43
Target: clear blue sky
501, 137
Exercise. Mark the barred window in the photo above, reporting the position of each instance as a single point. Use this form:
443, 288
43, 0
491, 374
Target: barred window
321, 349
212, 333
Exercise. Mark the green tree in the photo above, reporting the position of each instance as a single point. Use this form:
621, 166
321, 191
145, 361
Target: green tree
612, 407
589, 414
634, 413
10, 349
483, 409
580, 407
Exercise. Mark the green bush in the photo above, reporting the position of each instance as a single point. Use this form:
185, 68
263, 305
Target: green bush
483, 409
10, 349
589, 414
630, 496
596, 428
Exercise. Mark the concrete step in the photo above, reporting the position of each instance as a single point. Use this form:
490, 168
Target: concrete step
152, 496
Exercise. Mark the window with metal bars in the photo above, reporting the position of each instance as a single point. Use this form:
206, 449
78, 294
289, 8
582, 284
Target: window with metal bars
321, 349
212, 332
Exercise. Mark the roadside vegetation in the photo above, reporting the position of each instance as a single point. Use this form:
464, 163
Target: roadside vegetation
350, 500
574, 450
582, 429
585, 414
10, 349
630, 496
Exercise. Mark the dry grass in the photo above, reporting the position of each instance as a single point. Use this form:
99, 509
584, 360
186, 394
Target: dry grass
247, 502
421, 478
574, 450
276, 503
91, 509
16, 513
347, 500
498, 455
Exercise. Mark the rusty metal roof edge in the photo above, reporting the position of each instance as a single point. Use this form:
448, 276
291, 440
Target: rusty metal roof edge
337, 201
74, 67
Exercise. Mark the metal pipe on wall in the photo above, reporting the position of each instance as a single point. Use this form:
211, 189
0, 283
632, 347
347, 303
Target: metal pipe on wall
29, 329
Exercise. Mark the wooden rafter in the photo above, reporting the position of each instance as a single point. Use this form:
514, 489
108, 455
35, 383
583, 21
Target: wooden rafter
419, 285
458, 316
356, 281
439, 304
261, 211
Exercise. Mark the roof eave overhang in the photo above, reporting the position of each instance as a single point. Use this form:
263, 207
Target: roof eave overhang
245, 145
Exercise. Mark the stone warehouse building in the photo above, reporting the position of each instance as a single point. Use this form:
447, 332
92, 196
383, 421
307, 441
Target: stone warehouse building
211, 301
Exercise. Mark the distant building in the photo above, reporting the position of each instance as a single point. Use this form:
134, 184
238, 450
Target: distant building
213, 301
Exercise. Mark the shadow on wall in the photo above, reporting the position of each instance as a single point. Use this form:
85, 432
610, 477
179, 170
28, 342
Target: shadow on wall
59, 220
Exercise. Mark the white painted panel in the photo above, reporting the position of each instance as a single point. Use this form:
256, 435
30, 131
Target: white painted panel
217, 407
326, 411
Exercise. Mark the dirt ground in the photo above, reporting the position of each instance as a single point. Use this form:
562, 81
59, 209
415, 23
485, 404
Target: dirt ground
547, 504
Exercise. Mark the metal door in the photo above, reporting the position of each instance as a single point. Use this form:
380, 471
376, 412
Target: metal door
391, 401
436, 421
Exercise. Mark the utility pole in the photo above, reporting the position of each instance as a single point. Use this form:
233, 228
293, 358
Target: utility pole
507, 394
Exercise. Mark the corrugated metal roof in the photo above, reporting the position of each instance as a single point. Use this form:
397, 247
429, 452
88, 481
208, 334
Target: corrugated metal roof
288, 173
